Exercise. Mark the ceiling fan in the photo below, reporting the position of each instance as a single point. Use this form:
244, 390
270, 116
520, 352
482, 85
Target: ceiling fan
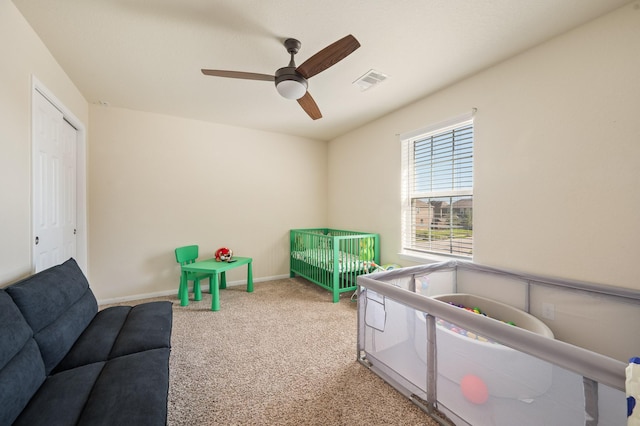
291, 81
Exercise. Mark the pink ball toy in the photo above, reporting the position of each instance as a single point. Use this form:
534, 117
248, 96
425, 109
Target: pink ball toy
474, 389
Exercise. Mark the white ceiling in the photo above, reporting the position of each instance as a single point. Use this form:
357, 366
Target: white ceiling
147, 56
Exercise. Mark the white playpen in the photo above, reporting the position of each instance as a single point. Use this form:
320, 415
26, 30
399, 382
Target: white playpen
563, 363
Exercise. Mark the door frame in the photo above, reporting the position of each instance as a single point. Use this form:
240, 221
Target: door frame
81, 173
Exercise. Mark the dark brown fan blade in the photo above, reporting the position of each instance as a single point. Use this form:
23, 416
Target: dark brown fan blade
309, 106
239, 74
328, 56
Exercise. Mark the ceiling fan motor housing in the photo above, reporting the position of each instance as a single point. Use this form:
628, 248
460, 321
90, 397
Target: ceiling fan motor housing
290, 84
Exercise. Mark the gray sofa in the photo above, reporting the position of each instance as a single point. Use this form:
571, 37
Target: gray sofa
63, 362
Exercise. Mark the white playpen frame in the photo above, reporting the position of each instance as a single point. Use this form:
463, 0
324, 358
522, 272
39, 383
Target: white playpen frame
399, 286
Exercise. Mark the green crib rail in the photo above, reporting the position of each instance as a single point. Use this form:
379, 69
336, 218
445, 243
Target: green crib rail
333, 258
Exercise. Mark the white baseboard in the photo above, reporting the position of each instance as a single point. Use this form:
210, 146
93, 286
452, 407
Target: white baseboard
204, 287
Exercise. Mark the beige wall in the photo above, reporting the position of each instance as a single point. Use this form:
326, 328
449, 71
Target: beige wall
23, 55
158, 182
557, 174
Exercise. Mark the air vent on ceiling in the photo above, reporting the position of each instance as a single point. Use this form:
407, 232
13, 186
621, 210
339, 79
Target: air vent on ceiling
369, 79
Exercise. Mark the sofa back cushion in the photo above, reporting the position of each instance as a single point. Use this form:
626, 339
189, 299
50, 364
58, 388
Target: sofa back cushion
58, 305
21, 365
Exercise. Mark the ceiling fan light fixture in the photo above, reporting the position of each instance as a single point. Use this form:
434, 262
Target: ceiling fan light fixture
292, 89
290, 84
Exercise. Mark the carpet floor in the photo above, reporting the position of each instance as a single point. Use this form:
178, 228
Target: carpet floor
282, 355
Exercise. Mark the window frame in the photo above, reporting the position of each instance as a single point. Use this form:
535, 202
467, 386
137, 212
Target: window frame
408, 228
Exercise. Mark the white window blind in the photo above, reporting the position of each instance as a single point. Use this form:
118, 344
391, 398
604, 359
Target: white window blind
439, 177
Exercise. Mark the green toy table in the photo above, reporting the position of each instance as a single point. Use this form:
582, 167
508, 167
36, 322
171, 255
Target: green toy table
214, 268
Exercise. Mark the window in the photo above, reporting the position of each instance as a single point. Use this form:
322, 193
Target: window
438, 189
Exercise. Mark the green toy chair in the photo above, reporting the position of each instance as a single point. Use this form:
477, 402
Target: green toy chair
184, 256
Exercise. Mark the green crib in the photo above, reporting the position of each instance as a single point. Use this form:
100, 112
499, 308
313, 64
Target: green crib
333, 258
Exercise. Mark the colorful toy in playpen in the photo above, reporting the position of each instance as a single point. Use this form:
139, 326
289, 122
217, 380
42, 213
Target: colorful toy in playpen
633, 391
462, 331
223, 254
474, 389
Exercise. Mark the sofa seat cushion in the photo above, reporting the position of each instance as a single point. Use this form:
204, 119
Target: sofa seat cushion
62, 397
148, 326
21, 365
130, 389
58, 305
121, 330
133, 389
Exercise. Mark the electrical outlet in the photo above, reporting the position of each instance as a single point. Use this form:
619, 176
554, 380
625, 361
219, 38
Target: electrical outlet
549, 311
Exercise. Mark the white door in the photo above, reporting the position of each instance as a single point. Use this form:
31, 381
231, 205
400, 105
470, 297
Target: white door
54, 185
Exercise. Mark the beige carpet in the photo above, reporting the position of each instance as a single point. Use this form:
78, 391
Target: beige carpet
282, 355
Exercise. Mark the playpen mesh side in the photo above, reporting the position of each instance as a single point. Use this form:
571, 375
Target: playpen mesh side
333, 258
498, 382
